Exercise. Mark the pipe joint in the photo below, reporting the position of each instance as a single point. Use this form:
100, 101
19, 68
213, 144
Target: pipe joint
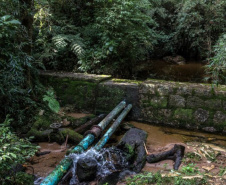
96, 130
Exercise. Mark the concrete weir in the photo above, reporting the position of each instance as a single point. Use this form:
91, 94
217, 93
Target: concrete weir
177, 104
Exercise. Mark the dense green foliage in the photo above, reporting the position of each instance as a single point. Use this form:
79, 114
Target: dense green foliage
15, 71
13, 151
100, 36
156, 178
95, 36
113, 37
217, 64
190, 27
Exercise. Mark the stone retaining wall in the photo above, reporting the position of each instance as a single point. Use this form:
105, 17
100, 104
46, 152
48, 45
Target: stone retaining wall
186, 105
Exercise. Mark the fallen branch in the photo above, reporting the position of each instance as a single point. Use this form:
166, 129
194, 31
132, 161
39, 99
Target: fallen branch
176, 154
82, 129
65, 144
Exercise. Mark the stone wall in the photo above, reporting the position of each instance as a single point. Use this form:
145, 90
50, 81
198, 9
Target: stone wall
186, 105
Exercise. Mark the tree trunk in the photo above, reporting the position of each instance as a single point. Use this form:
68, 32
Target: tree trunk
26, 14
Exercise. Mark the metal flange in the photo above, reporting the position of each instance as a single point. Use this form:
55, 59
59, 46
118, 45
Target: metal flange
96, 130
55, 127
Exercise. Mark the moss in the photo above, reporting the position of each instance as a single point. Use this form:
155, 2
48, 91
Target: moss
40, 128
126, 81
57, 137
220, 126
159, 102
108, 98
182, 114
41, 123
39, 135
129, 151
72, 135
79, 93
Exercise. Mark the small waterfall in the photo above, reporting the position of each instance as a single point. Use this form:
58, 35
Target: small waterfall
108, 161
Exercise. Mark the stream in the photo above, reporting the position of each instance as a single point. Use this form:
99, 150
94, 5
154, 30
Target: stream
160, 138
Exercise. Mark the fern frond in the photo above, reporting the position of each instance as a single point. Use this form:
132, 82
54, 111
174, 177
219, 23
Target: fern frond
60, 41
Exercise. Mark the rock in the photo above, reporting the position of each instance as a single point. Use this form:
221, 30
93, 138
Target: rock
219, 117
86, 169
201, 115
203, 92
167, 113
195, 102
176, 101
184, 90
132, 144
183, 114
179, 60
213, 104
158, 102
146, 88
209, 129
164, 90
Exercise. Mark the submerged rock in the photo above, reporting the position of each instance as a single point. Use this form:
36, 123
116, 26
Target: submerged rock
86, 169
179, 60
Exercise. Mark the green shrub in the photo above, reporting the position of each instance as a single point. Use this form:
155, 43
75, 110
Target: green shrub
198, 26
53, 104
118, 36
17, 90
13, 151
217, 65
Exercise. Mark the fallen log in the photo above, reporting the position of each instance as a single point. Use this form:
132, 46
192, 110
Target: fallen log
42, 153
176, 154
83, 128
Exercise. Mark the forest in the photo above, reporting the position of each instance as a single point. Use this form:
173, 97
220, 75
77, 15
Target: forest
122, 38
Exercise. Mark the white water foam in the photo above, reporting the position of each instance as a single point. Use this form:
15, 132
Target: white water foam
104, 159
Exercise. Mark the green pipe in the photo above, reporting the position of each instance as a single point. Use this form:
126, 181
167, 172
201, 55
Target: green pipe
111, 130
55, 176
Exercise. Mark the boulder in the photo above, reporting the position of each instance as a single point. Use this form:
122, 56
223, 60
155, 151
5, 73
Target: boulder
132, 144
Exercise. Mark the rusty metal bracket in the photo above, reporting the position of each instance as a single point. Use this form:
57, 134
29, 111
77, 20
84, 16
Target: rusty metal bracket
96, 130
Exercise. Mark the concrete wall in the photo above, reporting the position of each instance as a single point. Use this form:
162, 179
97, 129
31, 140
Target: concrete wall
186, 105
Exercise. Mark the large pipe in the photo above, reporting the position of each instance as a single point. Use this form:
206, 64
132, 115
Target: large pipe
55, 176
111, 130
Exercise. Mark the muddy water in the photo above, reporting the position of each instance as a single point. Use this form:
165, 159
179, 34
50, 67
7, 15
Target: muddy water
159, 137
158, 69
163, 138
43, 165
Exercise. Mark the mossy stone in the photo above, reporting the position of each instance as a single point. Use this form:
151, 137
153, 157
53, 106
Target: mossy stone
183, 114
73, 136
158, 102
42, 123
79, 93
